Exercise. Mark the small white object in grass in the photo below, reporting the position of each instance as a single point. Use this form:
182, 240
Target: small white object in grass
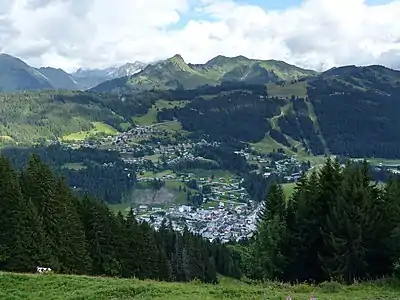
42, 270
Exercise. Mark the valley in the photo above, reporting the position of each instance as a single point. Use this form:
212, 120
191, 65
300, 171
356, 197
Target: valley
204, 156
216, 147
207, 149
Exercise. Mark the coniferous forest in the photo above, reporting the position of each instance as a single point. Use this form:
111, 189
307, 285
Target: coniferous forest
337, 225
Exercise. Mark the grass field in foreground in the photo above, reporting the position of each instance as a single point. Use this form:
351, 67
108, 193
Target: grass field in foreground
57, 287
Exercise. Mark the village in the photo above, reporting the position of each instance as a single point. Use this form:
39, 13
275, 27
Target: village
225, 222
207, 200
223, 210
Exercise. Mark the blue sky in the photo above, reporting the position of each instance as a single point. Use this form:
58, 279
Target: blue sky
265, 4
283, 4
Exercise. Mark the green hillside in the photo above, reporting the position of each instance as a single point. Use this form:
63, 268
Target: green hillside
33, 117
60, 287
176, 73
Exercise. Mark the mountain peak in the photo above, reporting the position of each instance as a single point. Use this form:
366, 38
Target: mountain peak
177, 62
176, 58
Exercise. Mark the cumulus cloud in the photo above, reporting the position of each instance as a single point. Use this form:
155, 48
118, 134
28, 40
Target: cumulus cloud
97, 33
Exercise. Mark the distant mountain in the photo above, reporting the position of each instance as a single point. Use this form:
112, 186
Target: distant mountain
175, 73
88, 78
60, 79
17, 75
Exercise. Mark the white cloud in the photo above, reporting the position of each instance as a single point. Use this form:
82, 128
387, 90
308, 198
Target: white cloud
98, 33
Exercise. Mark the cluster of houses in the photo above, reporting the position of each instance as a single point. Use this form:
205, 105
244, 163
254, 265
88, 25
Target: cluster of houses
226, 223
289, 168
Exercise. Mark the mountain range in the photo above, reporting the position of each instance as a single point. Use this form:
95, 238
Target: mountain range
16, 75
175, 73
171, 73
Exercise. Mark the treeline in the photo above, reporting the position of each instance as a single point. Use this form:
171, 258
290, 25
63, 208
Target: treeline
337, 225
86, 170
43, 224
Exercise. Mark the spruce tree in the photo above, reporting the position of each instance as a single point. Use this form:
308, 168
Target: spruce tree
71, 242
303, 231
353, 226
271, 235
38, 185
99, 224
386, 253
329, 181
20, 233
344, 256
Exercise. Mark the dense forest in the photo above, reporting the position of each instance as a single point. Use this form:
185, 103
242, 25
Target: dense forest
43, 224
369, 128
240, 116
337, 225
86, 170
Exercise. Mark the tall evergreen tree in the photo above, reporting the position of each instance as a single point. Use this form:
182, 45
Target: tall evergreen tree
20, 231
38, 185
303, 231
344, 256
101, 241
71, 242
270, 235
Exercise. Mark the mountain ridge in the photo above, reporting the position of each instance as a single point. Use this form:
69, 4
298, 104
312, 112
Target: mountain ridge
171, 73
175, 73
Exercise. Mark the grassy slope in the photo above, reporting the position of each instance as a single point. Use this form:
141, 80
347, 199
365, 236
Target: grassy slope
98, 127
27, 117
298, 89
57, 287
151, 116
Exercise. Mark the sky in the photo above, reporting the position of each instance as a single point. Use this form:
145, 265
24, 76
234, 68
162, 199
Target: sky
315, 34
